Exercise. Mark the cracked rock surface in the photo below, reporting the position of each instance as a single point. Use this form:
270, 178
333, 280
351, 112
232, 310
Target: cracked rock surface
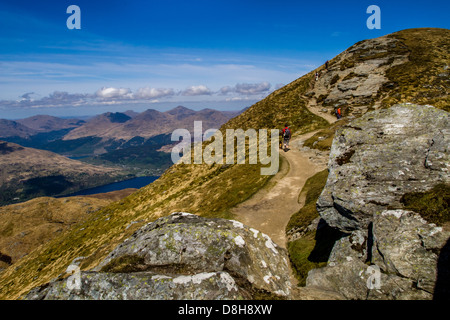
388, 252
381, 156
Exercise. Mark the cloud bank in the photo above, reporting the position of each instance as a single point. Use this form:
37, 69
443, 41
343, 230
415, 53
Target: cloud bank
113, 95
197, 91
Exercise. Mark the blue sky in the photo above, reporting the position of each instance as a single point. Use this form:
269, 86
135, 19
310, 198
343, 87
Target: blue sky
160, 54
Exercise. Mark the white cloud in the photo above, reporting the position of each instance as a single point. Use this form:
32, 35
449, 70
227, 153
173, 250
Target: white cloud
200, 90
247, 88
238, 99
119, 95
153, 93
29, 96
225, 90
257, 88
114, 93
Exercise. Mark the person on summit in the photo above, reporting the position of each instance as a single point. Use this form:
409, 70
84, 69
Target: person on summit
286, 137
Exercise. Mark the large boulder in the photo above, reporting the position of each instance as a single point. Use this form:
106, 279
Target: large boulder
388, 252
183, 256
381, 156
403, 260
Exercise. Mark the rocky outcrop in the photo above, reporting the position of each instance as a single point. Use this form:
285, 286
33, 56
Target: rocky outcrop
182, 256
403, 265
388, 253
381, 156
355, 78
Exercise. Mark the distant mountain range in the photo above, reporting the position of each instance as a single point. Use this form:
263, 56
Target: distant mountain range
133, 143
105, 132
120, 126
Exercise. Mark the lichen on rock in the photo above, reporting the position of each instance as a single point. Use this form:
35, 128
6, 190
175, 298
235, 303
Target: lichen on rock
395, 151
184, 256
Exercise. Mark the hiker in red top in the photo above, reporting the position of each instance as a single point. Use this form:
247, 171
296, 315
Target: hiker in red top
338, 113
286, 137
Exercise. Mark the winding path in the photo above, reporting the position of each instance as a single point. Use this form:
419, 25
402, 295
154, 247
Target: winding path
270, 209
318, 111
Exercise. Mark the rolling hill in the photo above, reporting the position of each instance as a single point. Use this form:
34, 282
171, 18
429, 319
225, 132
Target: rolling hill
27, 173
45, 123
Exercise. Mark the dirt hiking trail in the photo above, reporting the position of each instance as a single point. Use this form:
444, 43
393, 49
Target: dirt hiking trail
319, 111
270, 209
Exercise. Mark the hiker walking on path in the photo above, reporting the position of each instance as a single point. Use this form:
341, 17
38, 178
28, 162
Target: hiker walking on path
286, 137
326, 64
338, 113
317, 76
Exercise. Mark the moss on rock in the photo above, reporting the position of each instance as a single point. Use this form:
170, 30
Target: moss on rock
432, 205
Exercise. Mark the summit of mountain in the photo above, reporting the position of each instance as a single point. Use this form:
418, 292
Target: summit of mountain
411, 65
180, 112
98, 126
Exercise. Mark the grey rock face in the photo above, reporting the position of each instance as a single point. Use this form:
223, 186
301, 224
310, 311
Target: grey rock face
388, 254
407, 246
381, 156
403, 264
358, 74
184, 256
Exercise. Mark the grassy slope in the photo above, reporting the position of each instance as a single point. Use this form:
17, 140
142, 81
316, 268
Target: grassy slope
201, 189
206, 190
433, 205
27, 225
301, 248
285, 105
423, 79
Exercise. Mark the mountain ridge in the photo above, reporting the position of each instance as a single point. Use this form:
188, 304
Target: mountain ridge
149, 123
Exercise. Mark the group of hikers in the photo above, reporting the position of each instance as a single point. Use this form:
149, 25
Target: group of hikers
285, 134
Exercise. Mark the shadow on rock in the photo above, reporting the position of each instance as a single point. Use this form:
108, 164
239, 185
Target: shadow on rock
326, 237
442, 287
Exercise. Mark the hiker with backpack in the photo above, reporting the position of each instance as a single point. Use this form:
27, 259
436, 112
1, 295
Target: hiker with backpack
286, 137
